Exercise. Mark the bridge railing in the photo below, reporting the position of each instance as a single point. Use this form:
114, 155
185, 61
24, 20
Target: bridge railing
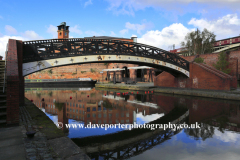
58, 48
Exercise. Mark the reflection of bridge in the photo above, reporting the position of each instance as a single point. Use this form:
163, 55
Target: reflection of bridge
136, 148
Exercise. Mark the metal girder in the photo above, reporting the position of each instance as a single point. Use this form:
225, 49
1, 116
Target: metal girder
59, 48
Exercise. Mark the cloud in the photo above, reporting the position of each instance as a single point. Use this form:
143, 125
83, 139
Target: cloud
10, 30
123, 31
223, 27
138, 27
52, 30
89, 2
31, 35
4, 41
227, 136
75, 29
180, 6
173, 34
112, 34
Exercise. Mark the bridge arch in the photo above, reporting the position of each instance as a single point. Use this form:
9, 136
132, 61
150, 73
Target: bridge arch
43, 54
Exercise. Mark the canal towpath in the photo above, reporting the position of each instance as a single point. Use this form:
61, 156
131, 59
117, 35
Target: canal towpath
47, 144
145, 87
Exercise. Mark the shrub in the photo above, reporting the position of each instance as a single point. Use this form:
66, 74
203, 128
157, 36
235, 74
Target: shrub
222, 63
199, 60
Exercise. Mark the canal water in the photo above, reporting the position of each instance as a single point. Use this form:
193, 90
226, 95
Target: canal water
74, 109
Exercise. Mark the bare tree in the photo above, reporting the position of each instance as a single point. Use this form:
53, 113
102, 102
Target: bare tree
198, 42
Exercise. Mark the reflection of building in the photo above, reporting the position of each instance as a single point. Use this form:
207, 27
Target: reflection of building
92, 106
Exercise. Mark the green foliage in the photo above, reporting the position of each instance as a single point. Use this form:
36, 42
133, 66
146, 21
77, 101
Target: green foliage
92, 70
198, 42
50, 93
83, 71
39, 95
50, 71
59, 105
106, 64
74, 73
222, 63
199, 60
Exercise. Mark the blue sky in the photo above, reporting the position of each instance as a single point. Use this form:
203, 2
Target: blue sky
158, 23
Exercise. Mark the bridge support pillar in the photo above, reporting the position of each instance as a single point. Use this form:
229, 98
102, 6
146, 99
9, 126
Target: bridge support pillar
15, 81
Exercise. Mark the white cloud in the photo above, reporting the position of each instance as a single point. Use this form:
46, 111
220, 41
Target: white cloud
223, 27
227, 136
75, 29
112, 34
139, 27
123, 31
89, 2
31, 35
4, 41
10, 30
149, 118
181, 6
52, 30
173, 34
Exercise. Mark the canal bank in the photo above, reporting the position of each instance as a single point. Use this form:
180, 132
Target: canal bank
49, 142
145, 87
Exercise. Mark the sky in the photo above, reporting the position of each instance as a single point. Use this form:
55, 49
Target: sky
159, 23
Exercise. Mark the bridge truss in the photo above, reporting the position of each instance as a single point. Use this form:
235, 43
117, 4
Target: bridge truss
135, 148
58, 48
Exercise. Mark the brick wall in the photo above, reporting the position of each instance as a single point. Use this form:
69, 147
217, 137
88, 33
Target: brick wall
201, 77
12, 83
212, 58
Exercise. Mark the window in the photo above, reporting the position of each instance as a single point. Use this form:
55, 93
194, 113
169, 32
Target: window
88, 109
76, 111
104, 115
88, 115
94, 115
99, 108
122, 114
127, 114
76, 105
122, 121
80, 105
127, 121
94, 109
117, 115
99, 115
73, 104
110, 115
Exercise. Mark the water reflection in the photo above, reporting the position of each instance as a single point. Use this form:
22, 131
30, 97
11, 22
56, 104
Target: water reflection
218, 137
87, 105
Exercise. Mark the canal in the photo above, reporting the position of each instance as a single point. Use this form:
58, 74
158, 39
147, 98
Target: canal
74, 109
